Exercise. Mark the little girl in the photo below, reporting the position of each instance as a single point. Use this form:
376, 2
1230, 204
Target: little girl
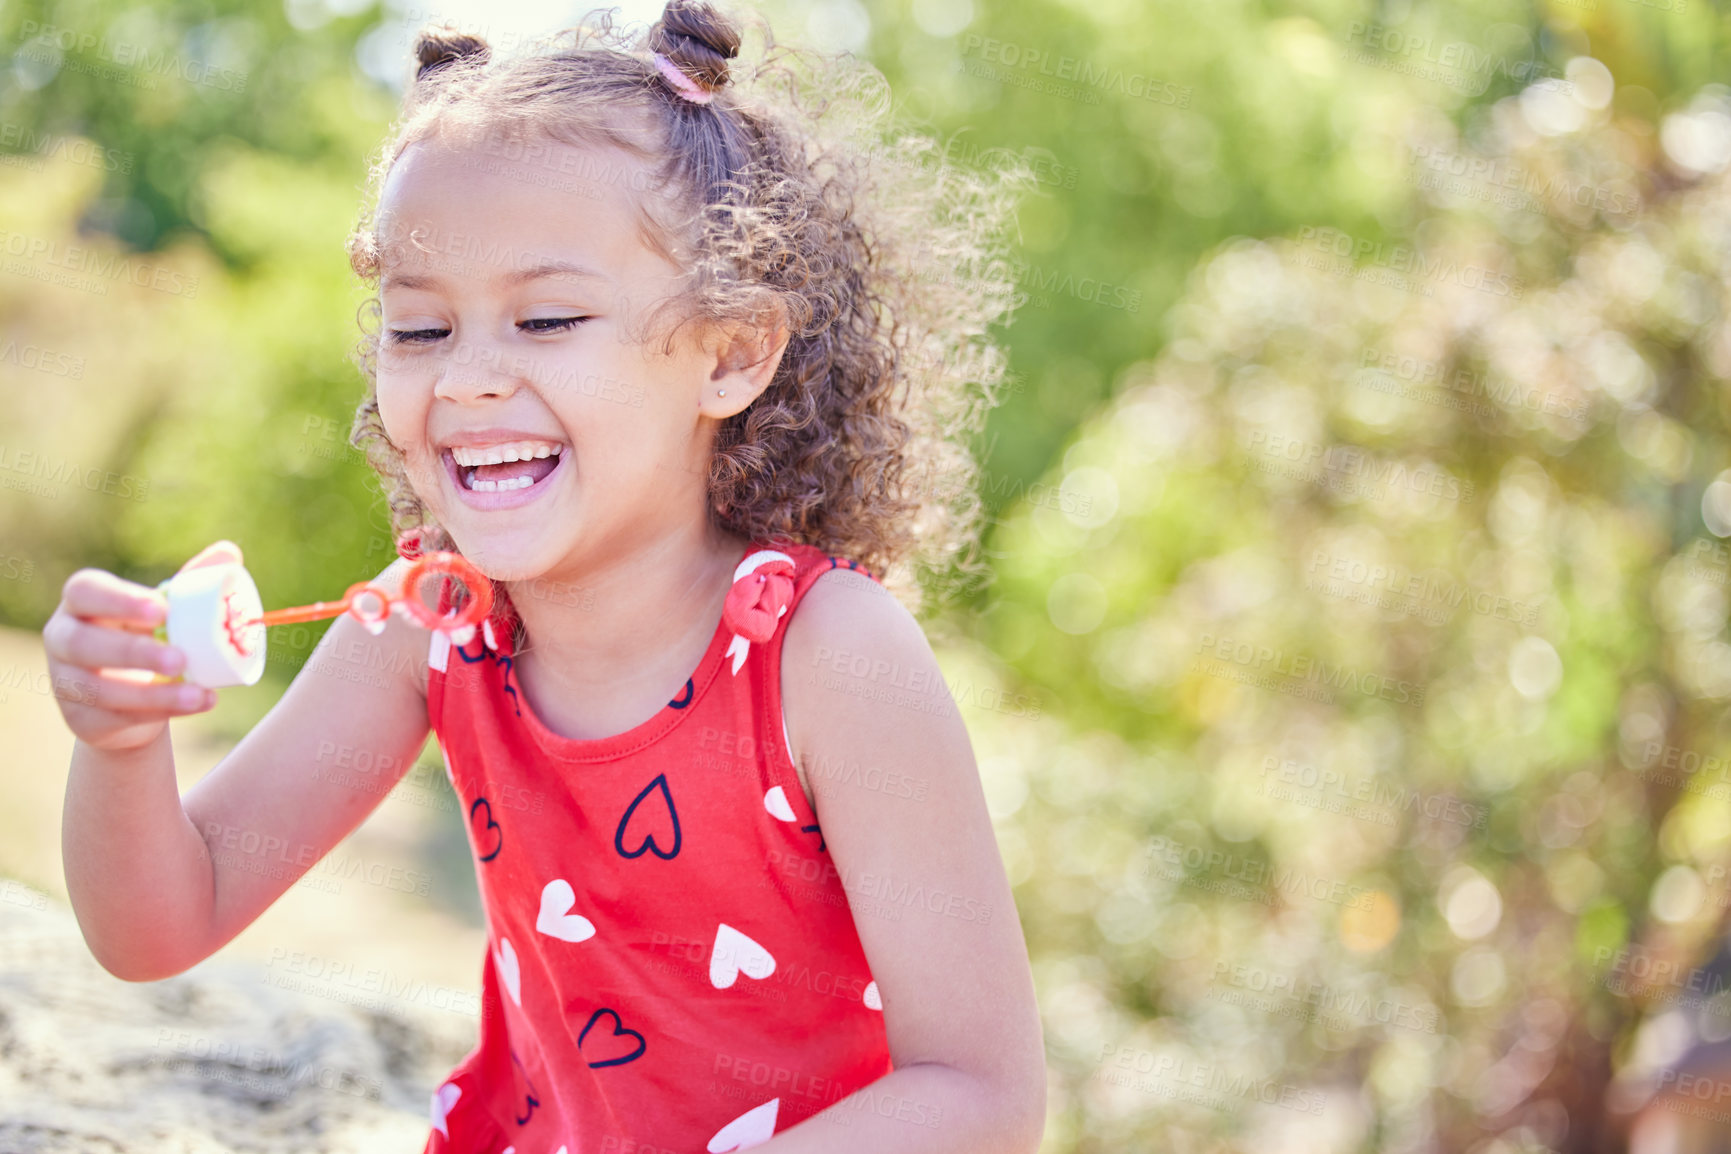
681, 376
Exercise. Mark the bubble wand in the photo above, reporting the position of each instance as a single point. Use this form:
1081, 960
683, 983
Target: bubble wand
216, 618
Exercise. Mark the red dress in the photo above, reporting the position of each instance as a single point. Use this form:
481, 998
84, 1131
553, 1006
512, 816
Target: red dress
672, 961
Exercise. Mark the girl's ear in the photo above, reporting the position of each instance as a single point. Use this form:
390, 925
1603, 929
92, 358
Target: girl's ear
745, 360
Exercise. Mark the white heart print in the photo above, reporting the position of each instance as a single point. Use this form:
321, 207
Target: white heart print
752, 1128
736, 954
873, 999
775, 801
509, 972
555, 920
443, 1099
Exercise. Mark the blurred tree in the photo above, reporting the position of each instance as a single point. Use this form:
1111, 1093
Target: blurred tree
1385, 611
165, 85
187, 172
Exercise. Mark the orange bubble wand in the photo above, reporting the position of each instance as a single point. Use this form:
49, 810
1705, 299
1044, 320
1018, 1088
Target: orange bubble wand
371, 604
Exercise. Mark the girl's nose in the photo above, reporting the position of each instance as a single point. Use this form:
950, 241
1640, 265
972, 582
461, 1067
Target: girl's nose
473, 370
468, 382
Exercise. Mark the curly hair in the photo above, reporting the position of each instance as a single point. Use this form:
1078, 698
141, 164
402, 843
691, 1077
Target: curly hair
799, 201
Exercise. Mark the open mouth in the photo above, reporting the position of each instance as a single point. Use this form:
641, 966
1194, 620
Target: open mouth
505, 468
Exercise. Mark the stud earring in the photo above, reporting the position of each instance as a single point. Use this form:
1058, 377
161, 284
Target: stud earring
721, 392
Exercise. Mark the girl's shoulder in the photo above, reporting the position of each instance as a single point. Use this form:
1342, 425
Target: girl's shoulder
853, 640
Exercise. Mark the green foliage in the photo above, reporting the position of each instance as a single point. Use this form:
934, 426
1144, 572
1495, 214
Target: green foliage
164, 85
1404, 556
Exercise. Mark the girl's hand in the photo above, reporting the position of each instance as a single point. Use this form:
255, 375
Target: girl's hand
102, 658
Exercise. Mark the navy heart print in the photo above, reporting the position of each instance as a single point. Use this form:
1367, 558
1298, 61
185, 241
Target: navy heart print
480, 836
620, 1030
482, 653
650, 821
529, 1099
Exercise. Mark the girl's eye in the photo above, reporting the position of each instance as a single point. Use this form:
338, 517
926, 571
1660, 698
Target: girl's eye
416, 336
551, 324
535, 325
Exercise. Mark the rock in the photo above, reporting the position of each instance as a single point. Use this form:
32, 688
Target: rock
228, 1056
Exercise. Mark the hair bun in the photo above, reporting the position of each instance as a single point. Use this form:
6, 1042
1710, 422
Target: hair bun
438, 46
698, 39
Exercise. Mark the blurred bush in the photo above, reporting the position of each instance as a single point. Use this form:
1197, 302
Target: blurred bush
1385, 611
179, 182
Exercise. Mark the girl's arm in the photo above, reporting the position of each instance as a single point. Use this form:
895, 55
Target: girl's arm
160, 881
951, 967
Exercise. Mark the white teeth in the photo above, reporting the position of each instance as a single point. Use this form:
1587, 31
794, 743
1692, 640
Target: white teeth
499, 454
500, 486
